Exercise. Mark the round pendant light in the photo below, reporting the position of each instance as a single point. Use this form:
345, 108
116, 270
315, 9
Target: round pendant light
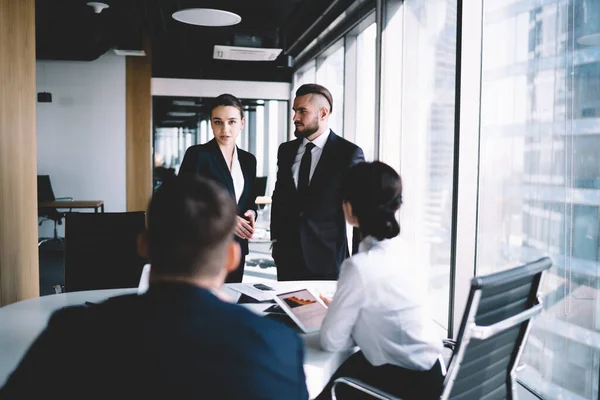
207, 17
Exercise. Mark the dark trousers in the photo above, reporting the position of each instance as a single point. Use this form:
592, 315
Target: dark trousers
237, 275
291, 266
400, 382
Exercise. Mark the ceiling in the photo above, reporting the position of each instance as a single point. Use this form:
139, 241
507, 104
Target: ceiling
70, 30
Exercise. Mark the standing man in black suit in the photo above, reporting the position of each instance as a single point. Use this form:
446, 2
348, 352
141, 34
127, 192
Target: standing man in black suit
235, 169
181, 339
308, 228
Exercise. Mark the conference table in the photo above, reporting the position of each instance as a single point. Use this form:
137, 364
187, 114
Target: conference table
22, 322
94, 204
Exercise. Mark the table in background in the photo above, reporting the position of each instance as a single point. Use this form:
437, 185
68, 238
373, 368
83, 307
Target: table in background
22, 322
263, 200
95, 204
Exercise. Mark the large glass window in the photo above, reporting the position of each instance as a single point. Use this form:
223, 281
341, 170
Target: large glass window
365, 91
539, 188
330, 73
425, 155
307, 74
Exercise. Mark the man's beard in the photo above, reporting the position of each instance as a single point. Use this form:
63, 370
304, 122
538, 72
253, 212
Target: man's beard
308, 130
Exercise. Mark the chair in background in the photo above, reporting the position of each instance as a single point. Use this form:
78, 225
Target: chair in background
259, 188
101, 250
492, 334
45, 194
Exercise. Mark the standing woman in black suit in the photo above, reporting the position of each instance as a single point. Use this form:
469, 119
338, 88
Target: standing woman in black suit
235, 169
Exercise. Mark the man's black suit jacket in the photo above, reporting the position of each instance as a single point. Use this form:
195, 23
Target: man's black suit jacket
207, 160
315, 222
177, 341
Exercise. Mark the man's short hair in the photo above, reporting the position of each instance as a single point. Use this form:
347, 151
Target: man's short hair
190, 222
313, 88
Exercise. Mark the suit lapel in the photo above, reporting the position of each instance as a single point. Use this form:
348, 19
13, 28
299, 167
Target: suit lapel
219, 166
247, 179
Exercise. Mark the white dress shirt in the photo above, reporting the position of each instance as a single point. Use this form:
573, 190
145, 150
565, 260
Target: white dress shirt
237, 175
381, 305
316, 155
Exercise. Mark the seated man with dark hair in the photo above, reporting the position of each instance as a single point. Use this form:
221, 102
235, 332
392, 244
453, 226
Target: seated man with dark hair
181, 339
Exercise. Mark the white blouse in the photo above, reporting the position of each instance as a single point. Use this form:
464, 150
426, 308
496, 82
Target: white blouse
381, 305
237, 175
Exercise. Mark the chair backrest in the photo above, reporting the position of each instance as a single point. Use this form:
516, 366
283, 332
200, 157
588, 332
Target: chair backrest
44, 188
260, 186
101, 250
45, 193
494, 327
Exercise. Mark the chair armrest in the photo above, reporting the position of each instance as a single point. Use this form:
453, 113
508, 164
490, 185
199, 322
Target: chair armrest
450, 344
363, 387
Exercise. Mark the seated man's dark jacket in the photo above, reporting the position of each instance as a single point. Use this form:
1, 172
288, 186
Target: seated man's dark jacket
177, 341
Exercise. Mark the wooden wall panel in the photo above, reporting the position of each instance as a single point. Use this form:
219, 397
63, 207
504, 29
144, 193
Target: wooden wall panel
19, 270
139, 131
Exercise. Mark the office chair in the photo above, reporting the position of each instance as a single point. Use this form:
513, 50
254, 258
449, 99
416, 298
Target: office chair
259, 188
490, 341
101, 250
45, 193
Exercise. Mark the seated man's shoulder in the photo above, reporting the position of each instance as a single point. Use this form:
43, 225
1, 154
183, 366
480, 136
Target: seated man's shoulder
95, 312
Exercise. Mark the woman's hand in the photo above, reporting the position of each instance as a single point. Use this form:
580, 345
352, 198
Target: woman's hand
245, 226
326, 300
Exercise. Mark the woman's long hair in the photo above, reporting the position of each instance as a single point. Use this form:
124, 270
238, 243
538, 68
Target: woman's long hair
374, 190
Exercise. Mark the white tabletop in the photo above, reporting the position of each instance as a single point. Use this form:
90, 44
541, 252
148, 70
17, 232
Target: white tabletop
22, 322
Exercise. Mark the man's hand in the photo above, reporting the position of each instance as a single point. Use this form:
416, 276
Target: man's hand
326, 300
250, 217
245, 226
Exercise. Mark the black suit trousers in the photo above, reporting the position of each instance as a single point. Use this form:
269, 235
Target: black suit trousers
291, 263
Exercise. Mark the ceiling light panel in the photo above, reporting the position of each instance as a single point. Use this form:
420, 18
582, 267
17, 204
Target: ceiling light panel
181, 113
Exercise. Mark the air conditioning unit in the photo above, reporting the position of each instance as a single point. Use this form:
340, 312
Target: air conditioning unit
245, 53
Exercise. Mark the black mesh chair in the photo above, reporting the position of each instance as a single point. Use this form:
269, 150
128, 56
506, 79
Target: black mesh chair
490, 341
45, 194
101, 250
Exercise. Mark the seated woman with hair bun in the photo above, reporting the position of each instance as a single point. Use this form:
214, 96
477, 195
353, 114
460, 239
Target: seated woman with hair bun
381, 302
